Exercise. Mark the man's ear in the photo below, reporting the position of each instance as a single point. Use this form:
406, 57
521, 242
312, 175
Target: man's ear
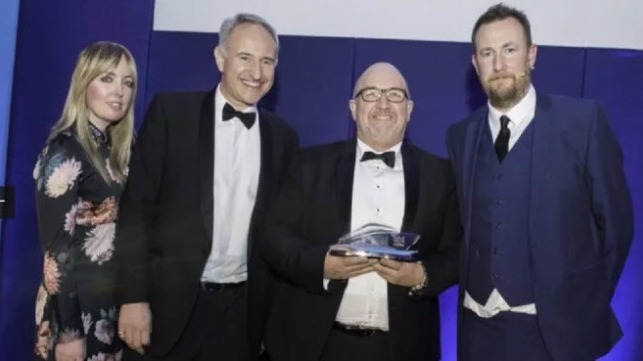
533, 52
353, 107
474, 63
409, 109
219, 58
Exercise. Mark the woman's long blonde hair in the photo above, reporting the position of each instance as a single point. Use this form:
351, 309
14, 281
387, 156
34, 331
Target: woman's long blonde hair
93, 61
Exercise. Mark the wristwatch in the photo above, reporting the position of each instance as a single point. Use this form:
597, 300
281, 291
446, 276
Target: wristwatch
417, 289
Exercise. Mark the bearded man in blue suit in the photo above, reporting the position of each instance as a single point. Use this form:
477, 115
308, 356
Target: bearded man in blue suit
546, 211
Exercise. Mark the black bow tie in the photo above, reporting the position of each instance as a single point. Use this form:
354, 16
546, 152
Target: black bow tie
387, 157
248, 119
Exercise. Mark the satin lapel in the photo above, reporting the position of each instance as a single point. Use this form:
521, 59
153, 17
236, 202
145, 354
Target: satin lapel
206, 161
411, 186
542, 155
344, 173
470, 153
345, 170
265, 174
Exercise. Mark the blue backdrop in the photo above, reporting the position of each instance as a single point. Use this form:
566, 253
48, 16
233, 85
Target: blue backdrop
314, 82
8, 28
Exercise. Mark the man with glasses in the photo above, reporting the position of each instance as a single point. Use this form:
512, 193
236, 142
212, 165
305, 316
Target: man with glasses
356, 308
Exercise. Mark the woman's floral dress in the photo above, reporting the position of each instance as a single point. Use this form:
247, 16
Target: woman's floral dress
77, 211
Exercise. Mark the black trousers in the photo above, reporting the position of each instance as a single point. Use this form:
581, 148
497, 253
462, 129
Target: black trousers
507, 336
217, 330
344, 346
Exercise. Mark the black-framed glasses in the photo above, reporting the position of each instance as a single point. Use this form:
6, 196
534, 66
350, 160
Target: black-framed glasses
373, 94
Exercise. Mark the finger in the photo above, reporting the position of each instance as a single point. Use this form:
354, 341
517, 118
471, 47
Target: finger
140, 350
359, 266
136, 339
354, 260
129, 338
364, 268
391, 263
133, 335
385, 272
145, 338
124, 329
358, 270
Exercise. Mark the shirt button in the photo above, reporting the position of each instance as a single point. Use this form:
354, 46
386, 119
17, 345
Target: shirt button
499, 226
496, 277
499, 201
498, 176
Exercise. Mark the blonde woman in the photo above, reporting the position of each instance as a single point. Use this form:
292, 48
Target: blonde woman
79, 178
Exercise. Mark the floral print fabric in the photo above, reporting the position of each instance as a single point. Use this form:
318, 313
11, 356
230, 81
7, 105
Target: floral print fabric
77, 211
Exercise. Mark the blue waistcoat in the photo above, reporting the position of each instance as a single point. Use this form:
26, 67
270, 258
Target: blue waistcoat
499, 246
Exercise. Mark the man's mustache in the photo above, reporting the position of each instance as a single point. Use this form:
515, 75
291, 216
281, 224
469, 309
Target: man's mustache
501, 76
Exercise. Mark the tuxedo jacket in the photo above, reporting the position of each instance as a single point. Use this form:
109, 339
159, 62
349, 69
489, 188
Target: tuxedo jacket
166, 213
580, 220
314, 210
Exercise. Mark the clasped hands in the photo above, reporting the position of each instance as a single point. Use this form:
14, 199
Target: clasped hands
406, 274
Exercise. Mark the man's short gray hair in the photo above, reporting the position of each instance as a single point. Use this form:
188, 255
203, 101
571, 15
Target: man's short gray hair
245, 18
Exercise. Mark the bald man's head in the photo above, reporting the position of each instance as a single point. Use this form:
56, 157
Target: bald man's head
377, 69
381, 106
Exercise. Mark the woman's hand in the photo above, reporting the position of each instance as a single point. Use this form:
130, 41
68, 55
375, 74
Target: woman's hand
71, 351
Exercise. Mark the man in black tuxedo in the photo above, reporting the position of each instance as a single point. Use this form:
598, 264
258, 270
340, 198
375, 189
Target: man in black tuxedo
205, 167
354, 308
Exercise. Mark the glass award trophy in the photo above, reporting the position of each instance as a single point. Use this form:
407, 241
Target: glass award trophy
377, 241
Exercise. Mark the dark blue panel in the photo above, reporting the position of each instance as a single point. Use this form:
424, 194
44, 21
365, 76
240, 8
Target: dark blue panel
314, 85
181, 61
615, 77
559, 70
50, 36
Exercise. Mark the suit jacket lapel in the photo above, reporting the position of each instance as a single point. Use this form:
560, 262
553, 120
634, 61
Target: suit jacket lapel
542, 152
345, 170
265, 171
266, 166
344, 175
471, 143
411, 186
206, 161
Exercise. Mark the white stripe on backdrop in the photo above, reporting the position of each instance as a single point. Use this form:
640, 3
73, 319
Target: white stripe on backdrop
578, 23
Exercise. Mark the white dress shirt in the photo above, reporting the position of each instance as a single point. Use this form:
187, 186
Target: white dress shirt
237, 163
521, 116
378, 197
